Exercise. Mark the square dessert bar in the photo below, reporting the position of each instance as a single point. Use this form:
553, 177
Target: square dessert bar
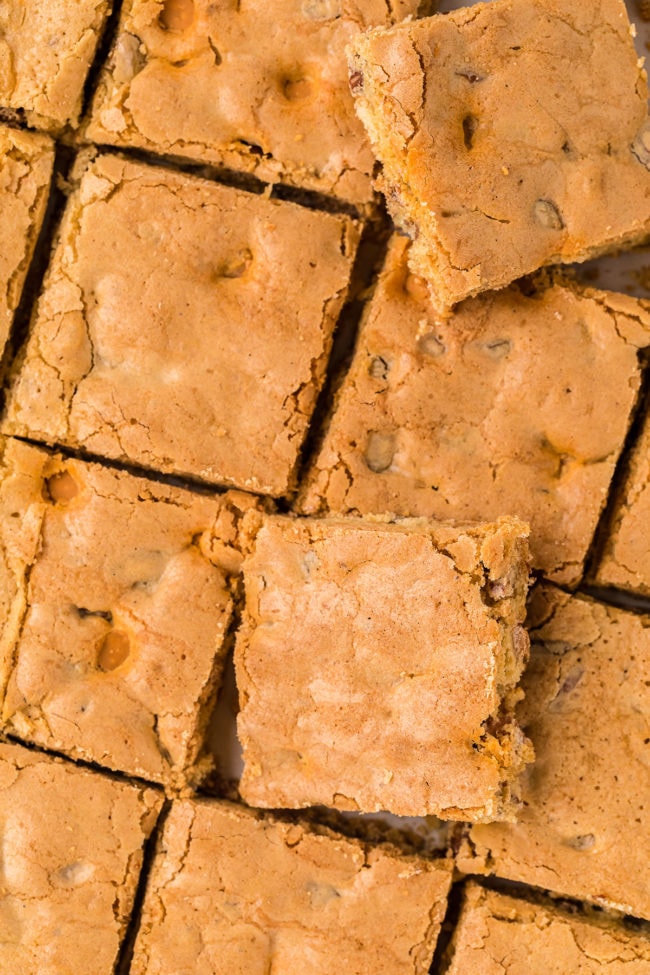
584, 827
493, 161
625, 555
234, 893
72, 849
115, 600
258, 86
518, 403
497, 933
26, 161
46, 49
184, 326
377, 666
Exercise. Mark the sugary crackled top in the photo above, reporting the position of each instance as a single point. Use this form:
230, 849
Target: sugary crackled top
321, 900
584, 828
372, 665
485, 412
26, 161
72, 849
184, 325
260, 86
513, 134
115, 605
625, 561
46, 49
513, 937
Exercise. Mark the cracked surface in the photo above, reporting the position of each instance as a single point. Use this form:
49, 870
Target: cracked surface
377, 663
71, 856
26, 161
584, 827
115, 603
485, 413
491, 161
46, 49
211, 910
184, 326
256, 86
625, 561
499, 935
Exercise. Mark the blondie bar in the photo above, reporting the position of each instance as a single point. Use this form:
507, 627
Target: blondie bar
72, 850
512, 134
184, 326
115, 599
235, 893
257, 86
519, 403
377, 666
584, 827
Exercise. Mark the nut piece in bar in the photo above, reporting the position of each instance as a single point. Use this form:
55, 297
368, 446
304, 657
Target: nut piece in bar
625, 556
46, 50
260, 87
377, 666
184, 326
26, 161
72, 852
498, 933
234, 893
584, 827
513, 134
116, 601
519, 403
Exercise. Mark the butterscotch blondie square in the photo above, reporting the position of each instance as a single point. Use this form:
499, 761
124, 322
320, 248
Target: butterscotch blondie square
116, 601
258, 86
584, 827
72, 851
46, 49
625, 557
184, 326
234, 893
519, 403
377, 666
26, 161
505, 934
493, 161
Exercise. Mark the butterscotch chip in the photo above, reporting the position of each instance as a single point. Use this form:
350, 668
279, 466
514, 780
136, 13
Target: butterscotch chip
492, 161
518, 403
46, 49
184, 325
259, 86
115, 601
318, 901
497, 933
72, 851
377, 666
584, 827
26, 161
625, 560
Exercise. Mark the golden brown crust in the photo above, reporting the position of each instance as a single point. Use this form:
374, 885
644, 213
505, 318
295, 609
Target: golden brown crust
170, 333
491, 161
320, 900
377, 664
584, 827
